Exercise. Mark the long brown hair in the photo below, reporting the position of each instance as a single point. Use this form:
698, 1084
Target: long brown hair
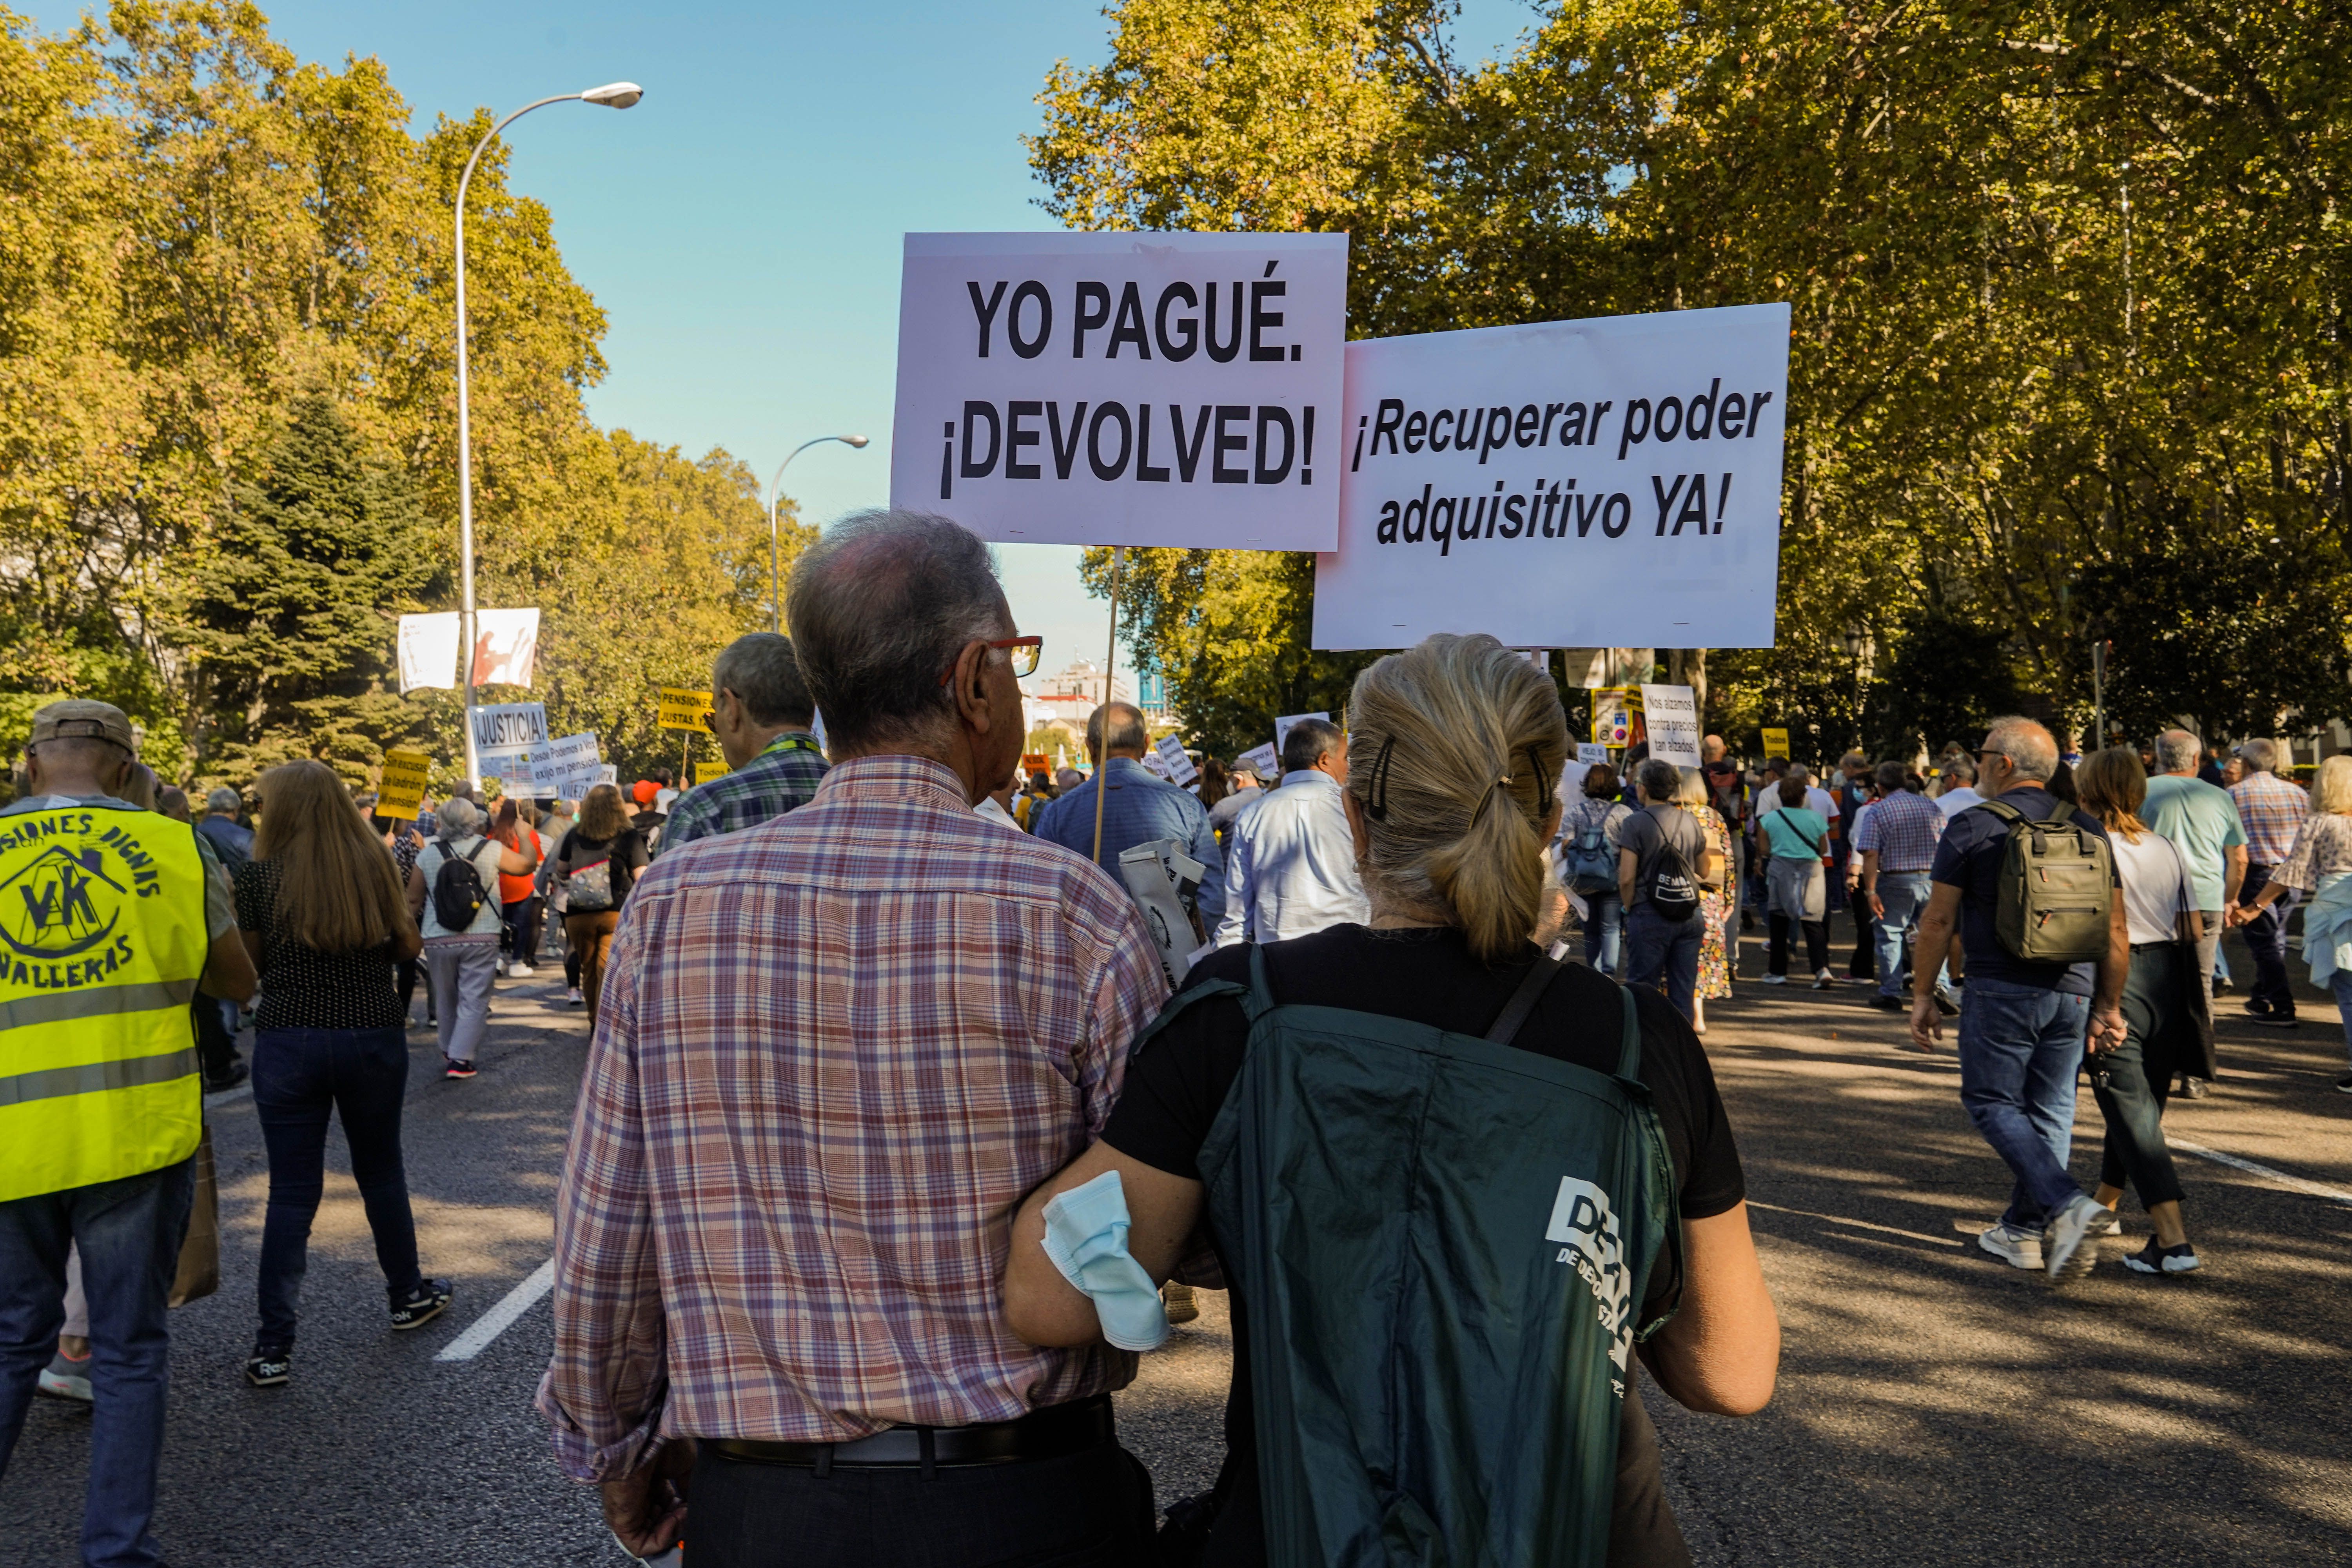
2113, 786
602, 817
337, 888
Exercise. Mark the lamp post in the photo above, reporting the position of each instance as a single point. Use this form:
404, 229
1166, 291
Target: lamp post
775, 492
613, 95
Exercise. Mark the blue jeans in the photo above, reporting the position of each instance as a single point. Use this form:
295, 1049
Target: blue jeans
2340, 983
2021, 1048
1604, 931
1665, 953
129, 1232
1904, 894
2266, 944
299, 1077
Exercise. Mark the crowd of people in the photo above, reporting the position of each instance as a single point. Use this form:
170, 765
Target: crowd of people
901, 1131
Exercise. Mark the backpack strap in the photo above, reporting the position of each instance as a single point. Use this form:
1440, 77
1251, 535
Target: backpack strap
1514, 1015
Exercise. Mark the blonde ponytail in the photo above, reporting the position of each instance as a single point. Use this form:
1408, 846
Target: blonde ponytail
1454, 749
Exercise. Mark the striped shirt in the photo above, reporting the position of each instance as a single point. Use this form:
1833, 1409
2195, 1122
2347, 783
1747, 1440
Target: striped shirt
2271, 810
835, 1053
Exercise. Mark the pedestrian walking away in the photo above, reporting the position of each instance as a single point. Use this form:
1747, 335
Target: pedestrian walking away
1794, 840
2028, 885
518, 905
763, 715
1664, 866
1896, 839
1590, 834
1139, 809
2319, 867
598, 865
1291, 867
326, 922
452, 896
1358, 1051
2271, 811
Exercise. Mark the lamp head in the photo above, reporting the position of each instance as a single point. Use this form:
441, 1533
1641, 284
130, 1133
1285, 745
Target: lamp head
614, 94
853, 440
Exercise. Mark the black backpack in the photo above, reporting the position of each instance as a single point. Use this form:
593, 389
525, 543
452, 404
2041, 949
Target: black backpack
1674, 885
457, 892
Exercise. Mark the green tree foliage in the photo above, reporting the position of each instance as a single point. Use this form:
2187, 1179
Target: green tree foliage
227, 410
2068, 278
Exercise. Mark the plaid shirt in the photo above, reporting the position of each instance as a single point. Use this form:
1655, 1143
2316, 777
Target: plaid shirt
835, 1053
2271, 809
779, 778
1903, 828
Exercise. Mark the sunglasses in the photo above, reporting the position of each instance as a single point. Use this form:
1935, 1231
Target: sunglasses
1022, 653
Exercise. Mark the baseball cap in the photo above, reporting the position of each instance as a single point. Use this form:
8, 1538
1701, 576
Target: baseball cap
644, 791
77, 719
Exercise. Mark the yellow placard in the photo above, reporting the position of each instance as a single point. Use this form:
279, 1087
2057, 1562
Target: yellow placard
684, 709
705, 772
1775, 743
401, 791
1616, 716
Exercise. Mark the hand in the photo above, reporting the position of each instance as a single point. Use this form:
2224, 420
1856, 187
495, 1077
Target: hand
1927, 1023
1877, 906
2106, 1032
647, 1511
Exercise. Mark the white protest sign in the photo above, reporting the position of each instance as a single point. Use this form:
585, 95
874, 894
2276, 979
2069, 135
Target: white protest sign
503, 730
1282, 727
1156, 765
1175, 389
1170, 753
1670, 714
1571, 483
506, 647
1590, 752
1265, 762
429, 652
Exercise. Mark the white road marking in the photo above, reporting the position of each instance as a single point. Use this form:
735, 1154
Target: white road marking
500, 1318
1858, 1223
2293, 1183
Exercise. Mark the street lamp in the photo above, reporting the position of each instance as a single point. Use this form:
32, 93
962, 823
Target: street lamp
775, 601
611, 95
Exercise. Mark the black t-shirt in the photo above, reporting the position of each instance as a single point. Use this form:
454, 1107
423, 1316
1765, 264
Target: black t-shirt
1968, 857
1652, 828
303, 988
1177, 1083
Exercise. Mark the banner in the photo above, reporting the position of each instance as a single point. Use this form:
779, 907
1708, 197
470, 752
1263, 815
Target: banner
1776, 744
1282, 729
1179, 768
1590, 752
503, 730
429, 652
1176, 389
1670, 713
1265, 762
683, 710
506, 647
1558, 483
400, 792
1592, 667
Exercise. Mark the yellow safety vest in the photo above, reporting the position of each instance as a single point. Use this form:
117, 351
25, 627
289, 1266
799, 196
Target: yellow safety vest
102, 941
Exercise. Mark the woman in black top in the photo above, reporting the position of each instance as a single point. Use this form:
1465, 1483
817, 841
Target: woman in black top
1452, 748
597, 863
323, 916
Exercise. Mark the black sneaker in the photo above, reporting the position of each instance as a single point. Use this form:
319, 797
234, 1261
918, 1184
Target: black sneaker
1947, 1006
2343, 1084
236, 1074
422, 1305
2157, 1259
270, 1366
2273, 1020
457, 1069
2194, 1088
1886, 1004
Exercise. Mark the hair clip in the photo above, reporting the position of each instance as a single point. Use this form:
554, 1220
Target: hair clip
1376, 792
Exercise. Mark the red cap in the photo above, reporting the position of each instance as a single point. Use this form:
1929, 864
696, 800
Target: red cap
644, 791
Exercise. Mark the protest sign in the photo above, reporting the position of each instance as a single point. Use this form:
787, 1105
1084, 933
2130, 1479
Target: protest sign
1670, 714
400, 792
1555, 483
429, 652
1157, 766
1589, 752
1592, 668
683, 710
1176, 389
1035, 763
1282, 729
506, 647
1617, 716
1775, 743
705, 772
1265, 762
1171, 752
503, 730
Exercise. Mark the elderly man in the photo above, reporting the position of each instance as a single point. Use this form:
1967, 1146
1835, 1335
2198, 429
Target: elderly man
1139, 810
1291, 868
2024, 1024
232, 842
119, 925
763, 714
837, 1051
2271, 811
2202, 820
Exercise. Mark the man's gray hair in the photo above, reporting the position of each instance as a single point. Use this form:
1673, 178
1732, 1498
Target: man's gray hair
1660, 780
1962, 769
458, 817
1309, 742
761, 668
224, 799
2260, 753
2030, 747
2176, 752
880, 607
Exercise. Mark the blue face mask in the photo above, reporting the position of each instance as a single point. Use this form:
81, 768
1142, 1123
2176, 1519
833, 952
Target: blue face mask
1086, 1235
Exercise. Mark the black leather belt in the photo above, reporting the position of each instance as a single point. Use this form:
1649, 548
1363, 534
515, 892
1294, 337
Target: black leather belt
1049, 1434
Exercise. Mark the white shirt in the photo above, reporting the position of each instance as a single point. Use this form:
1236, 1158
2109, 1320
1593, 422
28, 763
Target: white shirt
1818, 799
995, 813
1953, 802
1290, 866
2152, 871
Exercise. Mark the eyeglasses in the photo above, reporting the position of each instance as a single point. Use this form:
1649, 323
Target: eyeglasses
1022, 653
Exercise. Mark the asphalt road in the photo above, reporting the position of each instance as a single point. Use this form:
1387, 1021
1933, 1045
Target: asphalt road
1933, 1402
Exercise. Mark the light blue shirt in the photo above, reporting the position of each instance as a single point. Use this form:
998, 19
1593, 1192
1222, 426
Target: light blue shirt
1139, 810
2202, 822
1291, 868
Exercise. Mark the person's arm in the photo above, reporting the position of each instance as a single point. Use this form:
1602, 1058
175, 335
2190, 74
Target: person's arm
2107, 1027
515, 862
228, 967
417, 891
1720, 1352
1045, 1308
1929, 949
1870, 884
1628, 862
1212, 898
2234, 873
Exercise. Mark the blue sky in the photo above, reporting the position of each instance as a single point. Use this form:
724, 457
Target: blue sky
742, 225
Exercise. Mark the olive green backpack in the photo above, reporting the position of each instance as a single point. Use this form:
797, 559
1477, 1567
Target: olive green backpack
2057, 883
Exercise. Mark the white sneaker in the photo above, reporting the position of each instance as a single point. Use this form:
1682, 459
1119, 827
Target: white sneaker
502, 969
2012, 1244
520, 972
573, 996
1776, 980
2071, 1245
1824, 981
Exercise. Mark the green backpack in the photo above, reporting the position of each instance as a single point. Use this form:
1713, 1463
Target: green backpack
1443, 1243
2057, 884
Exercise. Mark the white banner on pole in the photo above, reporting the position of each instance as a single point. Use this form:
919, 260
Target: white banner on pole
1169, 389
506, 647
429, 652
1282, 729
1670, 715
1569, 483
503, 730
1265, 762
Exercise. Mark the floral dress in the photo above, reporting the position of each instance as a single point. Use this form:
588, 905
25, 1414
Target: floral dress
1714, 908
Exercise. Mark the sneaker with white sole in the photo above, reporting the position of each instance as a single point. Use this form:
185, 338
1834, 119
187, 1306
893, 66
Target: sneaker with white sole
420, 1306
270, 1366
1776, 980
2114, 1226
573, 996
520, 972
2012, 1244
64, 1378
2155, 1258
2071, 1243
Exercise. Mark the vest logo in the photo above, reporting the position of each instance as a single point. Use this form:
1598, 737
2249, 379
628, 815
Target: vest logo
1581, 1217
60, 904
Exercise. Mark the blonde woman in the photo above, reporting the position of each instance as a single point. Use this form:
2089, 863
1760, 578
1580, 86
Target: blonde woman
2166, 1028
1716, 904
319, 910
2318, 867
1477, 1062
